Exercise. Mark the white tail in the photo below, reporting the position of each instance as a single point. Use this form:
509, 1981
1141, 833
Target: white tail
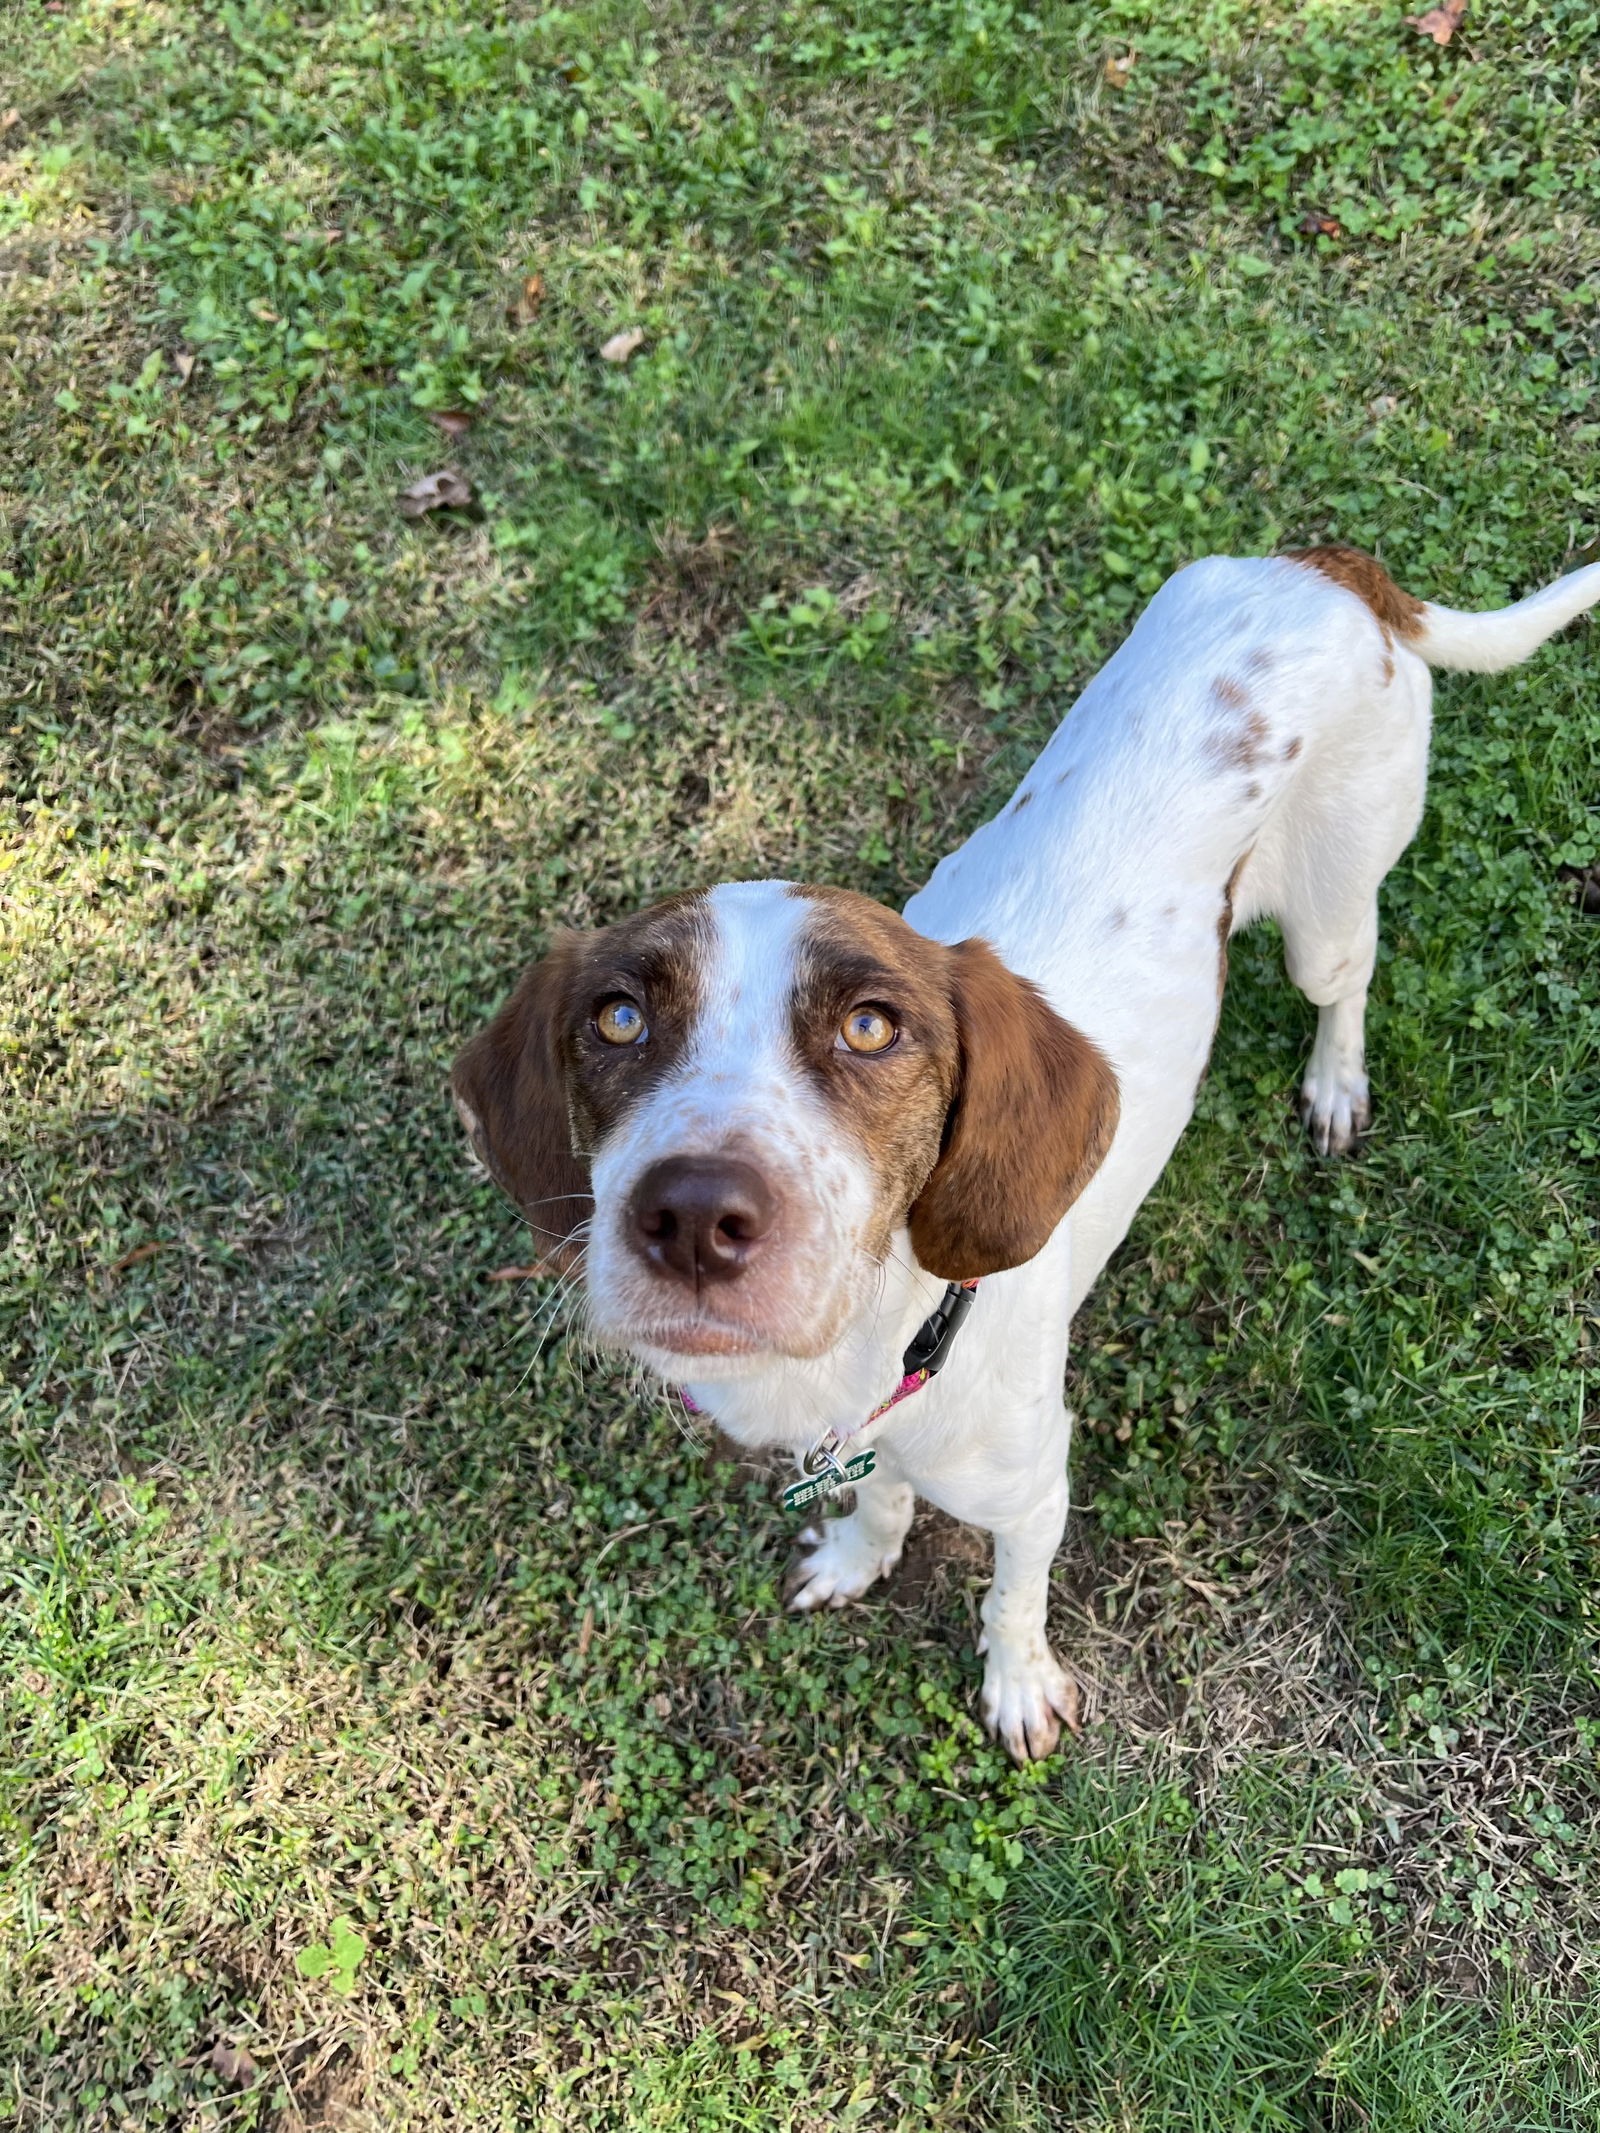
1486, 644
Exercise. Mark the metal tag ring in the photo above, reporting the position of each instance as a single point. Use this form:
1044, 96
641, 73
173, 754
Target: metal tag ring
821, 1461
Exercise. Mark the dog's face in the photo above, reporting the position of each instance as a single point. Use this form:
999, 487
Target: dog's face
745, 1094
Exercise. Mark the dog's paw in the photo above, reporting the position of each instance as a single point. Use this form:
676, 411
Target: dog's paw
840, 1560
1337, 1110
1027, 1697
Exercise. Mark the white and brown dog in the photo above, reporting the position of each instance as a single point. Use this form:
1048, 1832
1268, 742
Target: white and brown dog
788, 1131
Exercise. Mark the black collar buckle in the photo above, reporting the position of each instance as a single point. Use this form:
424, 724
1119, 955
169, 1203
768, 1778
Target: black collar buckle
934, 1338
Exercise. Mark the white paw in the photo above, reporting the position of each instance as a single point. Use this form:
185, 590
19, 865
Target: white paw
1337, 1110
840, 1562
1027, 1695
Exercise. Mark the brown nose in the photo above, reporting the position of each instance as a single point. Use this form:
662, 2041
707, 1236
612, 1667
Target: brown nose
700, 1217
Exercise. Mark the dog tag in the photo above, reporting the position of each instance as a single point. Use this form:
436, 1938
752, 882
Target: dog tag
829, 1482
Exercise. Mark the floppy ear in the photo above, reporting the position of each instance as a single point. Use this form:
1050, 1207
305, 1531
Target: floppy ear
511, 1092
1032, 1119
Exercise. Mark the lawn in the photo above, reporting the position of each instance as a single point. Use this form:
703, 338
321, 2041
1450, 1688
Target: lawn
400, 1727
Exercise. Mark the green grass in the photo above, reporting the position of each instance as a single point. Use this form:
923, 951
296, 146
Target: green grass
400, 1725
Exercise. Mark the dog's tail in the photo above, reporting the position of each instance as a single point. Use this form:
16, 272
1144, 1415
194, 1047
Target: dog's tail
1486, 644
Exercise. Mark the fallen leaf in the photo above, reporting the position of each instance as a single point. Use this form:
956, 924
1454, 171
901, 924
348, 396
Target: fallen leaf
572, 70
585, 1632
330, 235
10, 118
141, 1252
524, 309
183, 364
517, 1273
1385, 404
621, 346
1312, 224
1119, 67
1439, 23
444, 491
452, 421
233, 2063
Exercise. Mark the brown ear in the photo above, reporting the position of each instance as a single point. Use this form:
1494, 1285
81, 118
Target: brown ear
1032, 1119
511, 1092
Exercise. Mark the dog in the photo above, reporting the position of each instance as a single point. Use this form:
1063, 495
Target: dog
843, 1178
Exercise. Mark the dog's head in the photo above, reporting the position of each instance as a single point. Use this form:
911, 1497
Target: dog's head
731, 1103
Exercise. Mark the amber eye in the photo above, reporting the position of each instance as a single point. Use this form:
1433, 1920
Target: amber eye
866, 1029
621, 1022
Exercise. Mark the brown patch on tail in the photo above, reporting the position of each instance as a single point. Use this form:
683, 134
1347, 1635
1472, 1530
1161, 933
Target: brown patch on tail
1398, 614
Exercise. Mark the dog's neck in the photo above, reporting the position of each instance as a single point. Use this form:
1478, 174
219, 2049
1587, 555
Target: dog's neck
789, 1403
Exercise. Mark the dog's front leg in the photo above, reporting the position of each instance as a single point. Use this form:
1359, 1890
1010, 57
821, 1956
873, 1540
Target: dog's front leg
1026, 1691
843, 1556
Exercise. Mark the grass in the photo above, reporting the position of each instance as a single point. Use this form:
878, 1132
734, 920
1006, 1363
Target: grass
400, 1726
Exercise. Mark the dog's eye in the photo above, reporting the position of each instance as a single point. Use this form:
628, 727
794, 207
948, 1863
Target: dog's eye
866, 1029
621, 1022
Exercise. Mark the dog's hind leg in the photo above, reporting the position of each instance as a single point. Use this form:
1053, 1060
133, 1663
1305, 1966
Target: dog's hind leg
1319, 870
1335, 1096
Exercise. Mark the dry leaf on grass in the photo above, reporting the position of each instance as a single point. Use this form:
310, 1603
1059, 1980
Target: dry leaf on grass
1119, 67
1313, 224
233, 2063
1439, 23
524, 307
183, 364
444, 491
453, 421
10, 118
621, 346
140, 1253
1385, 404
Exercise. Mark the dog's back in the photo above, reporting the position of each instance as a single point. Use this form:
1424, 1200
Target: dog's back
1257, 747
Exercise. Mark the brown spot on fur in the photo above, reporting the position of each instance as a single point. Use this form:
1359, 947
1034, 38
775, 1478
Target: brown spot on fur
1388, 667
539, 1086
1292, 748
1118, 919
1020, 802
1397, 613
1252, 791
1071, 767
1241, 747
986, 1118
1262, 660
1230, 692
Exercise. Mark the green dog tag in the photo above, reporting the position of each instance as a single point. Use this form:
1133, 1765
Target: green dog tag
829, 1482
